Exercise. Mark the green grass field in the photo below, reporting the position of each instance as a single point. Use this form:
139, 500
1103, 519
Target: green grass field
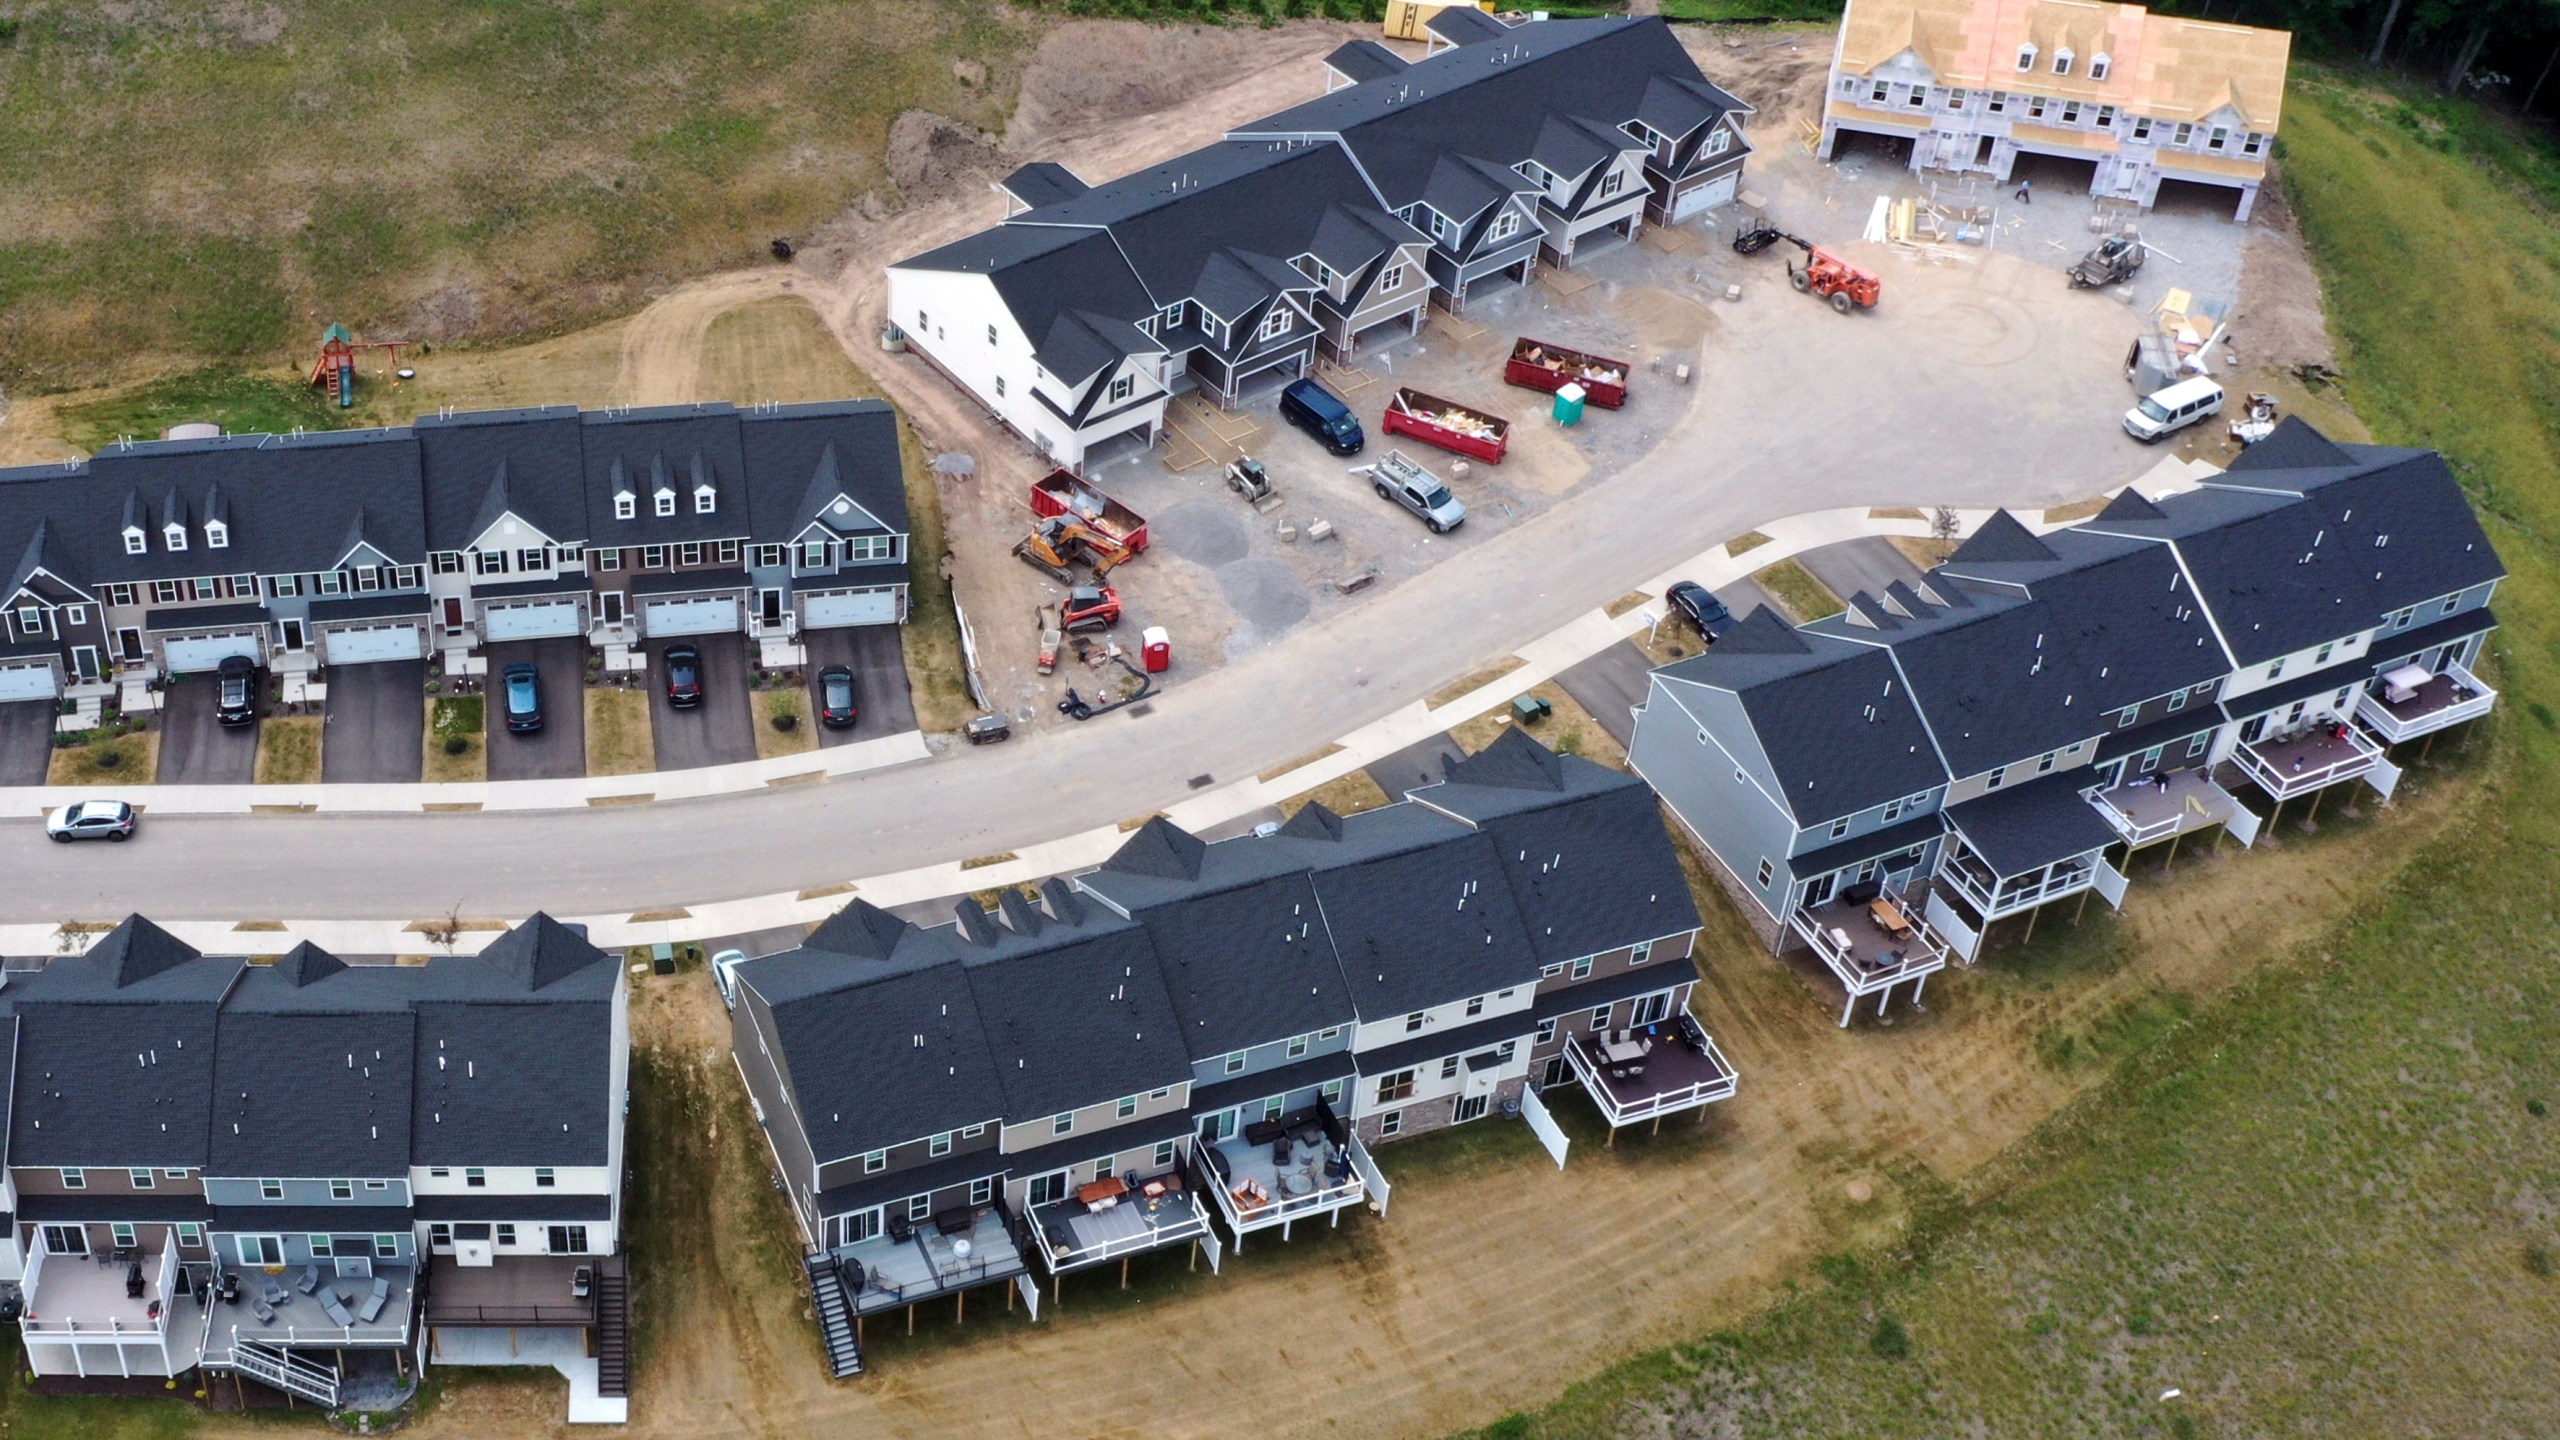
2320, 1207
211, 182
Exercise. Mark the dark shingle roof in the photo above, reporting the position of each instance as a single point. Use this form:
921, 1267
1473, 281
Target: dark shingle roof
1834, 718
671, 447
2032, 825
1424, 927
521, 462
847, 1045
1363, 60
807, 457
1043, 182
1075, 1014
1247, 965
322, 1094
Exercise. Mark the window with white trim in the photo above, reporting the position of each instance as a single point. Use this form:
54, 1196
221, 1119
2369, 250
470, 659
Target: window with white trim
875, 1162
2026, 58
1766, 871
2099, 65
1276, 324
625, 505
666, 503
1122, 387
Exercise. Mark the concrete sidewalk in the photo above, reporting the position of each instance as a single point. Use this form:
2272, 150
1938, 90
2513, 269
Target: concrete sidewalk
1540, 660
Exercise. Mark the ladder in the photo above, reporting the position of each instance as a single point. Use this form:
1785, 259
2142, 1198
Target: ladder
287, 1372
613, 1327
835, 1316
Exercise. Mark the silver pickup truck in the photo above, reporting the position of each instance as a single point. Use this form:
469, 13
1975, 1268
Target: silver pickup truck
1398, 477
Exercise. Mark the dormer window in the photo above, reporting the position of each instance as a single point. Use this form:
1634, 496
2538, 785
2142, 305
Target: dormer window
2026, 57
136, 542
625, 505
666, 503
2099, 65
2062, 61
174, 535
217, 536
705, 500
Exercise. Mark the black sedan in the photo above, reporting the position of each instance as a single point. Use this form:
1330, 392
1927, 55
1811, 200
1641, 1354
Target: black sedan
835, 697
1704, 610
235, 700
684, 677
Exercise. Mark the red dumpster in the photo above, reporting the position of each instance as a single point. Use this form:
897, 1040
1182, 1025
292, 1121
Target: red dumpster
1449, 425
1157, 649
1063, 492
1539, 365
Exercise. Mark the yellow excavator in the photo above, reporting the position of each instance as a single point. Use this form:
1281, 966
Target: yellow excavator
1058, 542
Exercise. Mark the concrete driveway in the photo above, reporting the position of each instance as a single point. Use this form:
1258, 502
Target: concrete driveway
1867, 563
558, 751
26, 741
377, 723
878, 658
719, 731
1415, 766
195, 749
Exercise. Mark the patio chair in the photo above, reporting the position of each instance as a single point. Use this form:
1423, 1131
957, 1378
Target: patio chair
309, 1281
581, 1281
273, 1293
266, 1313
371, 1309
335, 1308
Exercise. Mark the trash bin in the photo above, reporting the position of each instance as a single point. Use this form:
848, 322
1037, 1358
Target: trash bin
1569, 404
1158, 649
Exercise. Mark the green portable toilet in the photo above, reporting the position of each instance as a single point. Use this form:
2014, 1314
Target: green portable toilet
1569, 404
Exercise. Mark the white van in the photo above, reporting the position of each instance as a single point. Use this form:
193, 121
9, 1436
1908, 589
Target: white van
2164, 412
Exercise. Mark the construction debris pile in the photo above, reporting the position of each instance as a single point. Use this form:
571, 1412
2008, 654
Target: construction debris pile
1573, 365
1459, 419
2184, 330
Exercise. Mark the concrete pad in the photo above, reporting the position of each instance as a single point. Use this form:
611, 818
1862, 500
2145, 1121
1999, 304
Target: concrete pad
560, 1348
719, 731
558, 751
195, 749
26, 741
376, 723
877, 656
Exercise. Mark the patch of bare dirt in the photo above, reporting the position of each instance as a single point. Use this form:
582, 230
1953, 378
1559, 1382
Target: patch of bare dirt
927, 151
2280, 322
1780, 72
1101, 72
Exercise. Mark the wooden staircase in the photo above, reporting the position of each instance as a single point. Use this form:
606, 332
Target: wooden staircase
613, 1326
835, 1317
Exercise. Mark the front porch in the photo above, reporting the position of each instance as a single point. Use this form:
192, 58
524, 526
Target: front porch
2164, 805
1871, 947
1305, 1165
1077, 1232
886, 1272
2403, 706
1650, 1071
2312, 759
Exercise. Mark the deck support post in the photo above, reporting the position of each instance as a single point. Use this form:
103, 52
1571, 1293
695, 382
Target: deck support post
1057, 1288
1008, 1299
2031, 925
1916, 987
2316, 797
960, 1316
2173, 852
2080, 909
1612, 1142
2276, 817
1848, 1009
857, 1332
911, 1320
1657, 1124
1124, 1265
2429, 747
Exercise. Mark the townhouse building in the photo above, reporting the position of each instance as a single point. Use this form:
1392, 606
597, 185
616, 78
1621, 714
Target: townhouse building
1200, 1041
307, 551
1883, 786
1318, 230
275, 1171
2140, 98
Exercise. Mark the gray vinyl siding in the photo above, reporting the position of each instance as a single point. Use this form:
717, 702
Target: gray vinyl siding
749, 1029
1867, 822
1736, 819
909, 1154
1270, 1056
234, 1191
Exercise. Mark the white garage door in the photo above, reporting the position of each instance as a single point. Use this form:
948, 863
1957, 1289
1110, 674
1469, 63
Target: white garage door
1706, 197
26, 682
691, 617
850, 607
204, 652
540, 620
365, 643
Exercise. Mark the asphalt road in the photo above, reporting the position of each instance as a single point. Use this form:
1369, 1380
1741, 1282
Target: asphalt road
558, 751
1974, 384
877, 656
196, 749
719, 731
26, 741
377, 725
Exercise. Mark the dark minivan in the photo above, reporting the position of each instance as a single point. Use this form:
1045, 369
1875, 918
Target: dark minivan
1316, 410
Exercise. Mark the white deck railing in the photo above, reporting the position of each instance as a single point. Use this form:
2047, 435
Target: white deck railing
1156, 1236
1281, 1209
1704, 1091
2378, 716
2005, 899
2283, 784
1924, 953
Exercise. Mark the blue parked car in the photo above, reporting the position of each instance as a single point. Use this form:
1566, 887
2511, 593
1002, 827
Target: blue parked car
524, 699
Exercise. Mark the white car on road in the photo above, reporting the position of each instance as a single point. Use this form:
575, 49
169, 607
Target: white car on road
91, 820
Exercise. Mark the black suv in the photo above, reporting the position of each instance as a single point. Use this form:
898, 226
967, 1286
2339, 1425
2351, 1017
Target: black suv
235, 696
684, 677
